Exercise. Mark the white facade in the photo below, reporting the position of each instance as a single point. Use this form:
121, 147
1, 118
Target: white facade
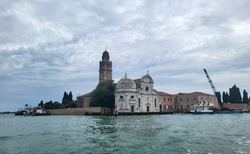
130, 99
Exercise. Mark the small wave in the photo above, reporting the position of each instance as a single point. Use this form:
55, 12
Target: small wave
3, 138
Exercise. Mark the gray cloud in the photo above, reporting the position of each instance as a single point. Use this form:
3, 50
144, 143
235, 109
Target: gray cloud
48, 47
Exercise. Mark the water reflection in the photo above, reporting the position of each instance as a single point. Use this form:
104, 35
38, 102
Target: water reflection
103, 125
103, 134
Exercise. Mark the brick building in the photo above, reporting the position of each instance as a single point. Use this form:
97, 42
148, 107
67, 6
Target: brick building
185, 101
168, 102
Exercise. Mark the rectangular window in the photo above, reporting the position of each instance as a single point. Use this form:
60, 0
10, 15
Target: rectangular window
171, 99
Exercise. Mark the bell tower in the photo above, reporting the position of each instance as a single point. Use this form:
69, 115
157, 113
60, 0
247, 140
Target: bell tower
105, 67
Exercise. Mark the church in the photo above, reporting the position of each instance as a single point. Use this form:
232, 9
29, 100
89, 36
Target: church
139, 95
130, 95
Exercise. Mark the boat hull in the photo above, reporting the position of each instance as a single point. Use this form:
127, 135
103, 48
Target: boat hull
228, 112
201, 112
219, 112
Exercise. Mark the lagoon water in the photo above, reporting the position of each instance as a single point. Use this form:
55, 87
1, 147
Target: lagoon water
178, 133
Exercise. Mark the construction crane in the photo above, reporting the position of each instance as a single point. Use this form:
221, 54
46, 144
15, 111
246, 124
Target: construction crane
210, 81
217, 94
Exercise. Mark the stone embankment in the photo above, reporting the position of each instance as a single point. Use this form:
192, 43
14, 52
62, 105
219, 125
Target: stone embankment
80, 111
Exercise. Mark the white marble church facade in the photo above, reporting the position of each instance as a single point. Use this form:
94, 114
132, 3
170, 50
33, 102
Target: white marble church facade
139, 96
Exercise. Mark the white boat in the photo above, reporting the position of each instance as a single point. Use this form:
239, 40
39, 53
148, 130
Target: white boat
203, 107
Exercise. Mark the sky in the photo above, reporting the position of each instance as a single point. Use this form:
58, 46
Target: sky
48, 47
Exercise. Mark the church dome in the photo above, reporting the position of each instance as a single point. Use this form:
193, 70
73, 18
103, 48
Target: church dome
105, 56
147, 79
126, 83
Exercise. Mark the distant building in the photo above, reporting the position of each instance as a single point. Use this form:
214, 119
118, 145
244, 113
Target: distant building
105, 73
83, 100
185, 101
140, 97
168, 102
105, 68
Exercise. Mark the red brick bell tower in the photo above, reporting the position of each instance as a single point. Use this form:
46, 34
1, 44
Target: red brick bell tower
105, 67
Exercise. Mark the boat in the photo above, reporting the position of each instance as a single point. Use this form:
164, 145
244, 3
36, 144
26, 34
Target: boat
227, 111
203, 107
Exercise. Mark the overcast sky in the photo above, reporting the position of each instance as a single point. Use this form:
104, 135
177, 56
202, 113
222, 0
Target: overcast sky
48, 47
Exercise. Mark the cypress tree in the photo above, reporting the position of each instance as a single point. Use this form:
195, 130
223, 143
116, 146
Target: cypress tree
227, 98
245, 97
70, 97
218, 95
41, 103
224, 97
235, 96
65, 98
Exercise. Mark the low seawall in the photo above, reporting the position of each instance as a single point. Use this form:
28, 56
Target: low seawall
80, 111
240, 106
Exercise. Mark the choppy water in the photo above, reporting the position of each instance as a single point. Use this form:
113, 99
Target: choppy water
178, 133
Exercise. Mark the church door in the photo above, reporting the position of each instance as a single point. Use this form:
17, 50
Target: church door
132, 108
160, 108
147, 108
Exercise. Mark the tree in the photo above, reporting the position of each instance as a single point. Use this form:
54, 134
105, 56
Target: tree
228, 97
70, 97
41, 103
49, 105
218, 95
103, 95
225, 97
245, 97
65, 98
235, 96
71, 104
55, 105
58, 105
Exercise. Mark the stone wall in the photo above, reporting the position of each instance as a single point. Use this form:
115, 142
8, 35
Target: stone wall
240, 106
79, 111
